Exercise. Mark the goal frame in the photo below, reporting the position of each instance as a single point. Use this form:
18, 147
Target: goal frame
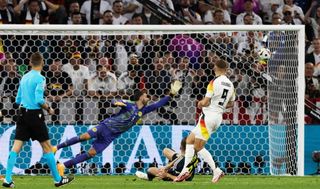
124, 29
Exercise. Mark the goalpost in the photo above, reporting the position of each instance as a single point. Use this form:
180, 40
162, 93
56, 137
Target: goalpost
281, 82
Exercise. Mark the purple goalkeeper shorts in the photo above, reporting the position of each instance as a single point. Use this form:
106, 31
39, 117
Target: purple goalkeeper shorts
102, 137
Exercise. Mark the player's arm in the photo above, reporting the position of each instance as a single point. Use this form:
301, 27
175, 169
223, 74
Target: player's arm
230, 104
162, 102
205, 102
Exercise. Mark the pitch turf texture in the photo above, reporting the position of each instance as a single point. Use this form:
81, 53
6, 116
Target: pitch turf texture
199, 182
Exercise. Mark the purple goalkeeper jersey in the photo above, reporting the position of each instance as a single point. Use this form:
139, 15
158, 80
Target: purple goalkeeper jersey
129, 115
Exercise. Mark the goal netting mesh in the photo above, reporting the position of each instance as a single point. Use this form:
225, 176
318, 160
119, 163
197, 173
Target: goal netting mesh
85, 69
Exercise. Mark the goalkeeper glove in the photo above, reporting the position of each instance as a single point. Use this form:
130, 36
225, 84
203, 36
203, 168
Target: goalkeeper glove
118, 103
175, 87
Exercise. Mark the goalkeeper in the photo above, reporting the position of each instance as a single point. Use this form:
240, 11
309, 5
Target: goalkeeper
110, 128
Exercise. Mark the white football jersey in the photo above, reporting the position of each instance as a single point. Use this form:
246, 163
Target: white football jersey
221, 91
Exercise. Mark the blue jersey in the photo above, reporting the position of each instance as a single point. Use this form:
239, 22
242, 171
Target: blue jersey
129, 115
31, 90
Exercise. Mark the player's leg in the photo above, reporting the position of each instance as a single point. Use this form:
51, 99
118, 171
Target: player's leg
17, 145
48, 155
51, 162
103, 138
169, 154
92, 133
22, 134
210, 125
189, 154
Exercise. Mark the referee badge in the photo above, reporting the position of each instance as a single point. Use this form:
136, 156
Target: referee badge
139, 114
94, 129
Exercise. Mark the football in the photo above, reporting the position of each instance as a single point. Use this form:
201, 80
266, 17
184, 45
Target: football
264, 54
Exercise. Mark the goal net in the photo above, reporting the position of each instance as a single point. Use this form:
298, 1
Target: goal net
88, 66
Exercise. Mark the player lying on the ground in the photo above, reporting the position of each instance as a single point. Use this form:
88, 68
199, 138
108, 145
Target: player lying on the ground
170, 171
111, 128
220, 96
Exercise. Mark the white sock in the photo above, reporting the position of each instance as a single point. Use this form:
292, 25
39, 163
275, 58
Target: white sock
205, 154
188, 155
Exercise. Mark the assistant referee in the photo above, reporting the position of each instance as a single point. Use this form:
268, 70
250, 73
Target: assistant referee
31, 122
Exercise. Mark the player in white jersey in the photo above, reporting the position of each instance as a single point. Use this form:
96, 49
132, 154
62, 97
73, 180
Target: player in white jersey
219, 97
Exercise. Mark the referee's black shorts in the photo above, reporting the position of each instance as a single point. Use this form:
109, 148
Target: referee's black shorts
31, 124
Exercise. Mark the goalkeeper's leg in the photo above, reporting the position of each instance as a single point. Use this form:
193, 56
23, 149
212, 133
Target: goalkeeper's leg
98, 145
86, 136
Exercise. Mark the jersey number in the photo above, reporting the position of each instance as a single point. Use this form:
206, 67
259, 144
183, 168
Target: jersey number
224, 96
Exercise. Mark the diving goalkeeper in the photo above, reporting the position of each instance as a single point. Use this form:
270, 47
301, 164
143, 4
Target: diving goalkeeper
111, 128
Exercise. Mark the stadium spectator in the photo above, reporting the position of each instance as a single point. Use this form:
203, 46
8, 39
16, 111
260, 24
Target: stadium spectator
248, 19
288, 18
240, 7
314, 56
74, 6
313, 21
183, 10
36, 12
183, 73
158, 80
250, 46
249, 9
108, 17
296, 11
59, 86
76, 18
312, 84
120, 55
215, 8
118, 18
276, 19
137, 19
103, 86
6, 13
94, 9
217, 18
149, 18
9, 82
128, 81
131, 7
79, 75
268, 9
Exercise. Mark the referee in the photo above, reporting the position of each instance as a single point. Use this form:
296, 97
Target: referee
31, 123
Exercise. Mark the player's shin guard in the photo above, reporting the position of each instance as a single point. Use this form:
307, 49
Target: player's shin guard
205, 154
69, 142
80, 158
11, 161
52, 165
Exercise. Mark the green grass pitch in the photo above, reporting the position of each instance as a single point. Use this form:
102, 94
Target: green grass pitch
199, 182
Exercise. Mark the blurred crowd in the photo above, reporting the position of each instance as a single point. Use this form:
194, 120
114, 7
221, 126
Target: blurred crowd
114, 66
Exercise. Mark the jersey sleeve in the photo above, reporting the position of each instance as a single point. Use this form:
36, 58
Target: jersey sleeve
39, 92
157, 105
210, 89
18, 97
